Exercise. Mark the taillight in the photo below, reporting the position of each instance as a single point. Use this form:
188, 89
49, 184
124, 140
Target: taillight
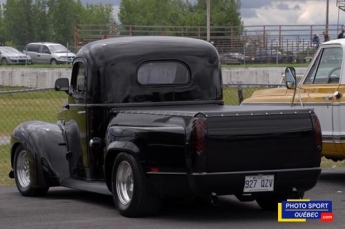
317, 130
198, 135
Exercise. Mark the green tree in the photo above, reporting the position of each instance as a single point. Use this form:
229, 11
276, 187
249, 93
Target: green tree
63, 15
2, 25
18, 21
179, 12
96, 14
95, 18
153, 12
223, 12
41, 26
25, 21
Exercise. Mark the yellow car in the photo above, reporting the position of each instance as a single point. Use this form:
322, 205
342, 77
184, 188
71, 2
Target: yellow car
322, 87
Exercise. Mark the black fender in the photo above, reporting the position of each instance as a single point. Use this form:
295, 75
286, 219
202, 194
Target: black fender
162, 147
47, 151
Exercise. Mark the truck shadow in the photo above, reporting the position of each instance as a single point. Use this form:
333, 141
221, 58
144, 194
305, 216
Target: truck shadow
229, 208
70, 195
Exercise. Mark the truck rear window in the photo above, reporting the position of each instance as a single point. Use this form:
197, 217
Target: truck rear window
163, 73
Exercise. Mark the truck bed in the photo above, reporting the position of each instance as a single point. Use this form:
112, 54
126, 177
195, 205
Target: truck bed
244, 138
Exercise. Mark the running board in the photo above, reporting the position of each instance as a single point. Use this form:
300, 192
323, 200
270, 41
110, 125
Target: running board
89, 186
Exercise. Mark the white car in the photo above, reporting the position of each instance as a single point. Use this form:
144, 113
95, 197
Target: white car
49, 53
9, 55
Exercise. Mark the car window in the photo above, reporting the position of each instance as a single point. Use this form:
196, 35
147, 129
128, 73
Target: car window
163, 73
326, 68
44, 49
58, 48
32, 48
78, 82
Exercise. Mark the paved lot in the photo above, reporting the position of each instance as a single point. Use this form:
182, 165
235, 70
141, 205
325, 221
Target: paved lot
66, 208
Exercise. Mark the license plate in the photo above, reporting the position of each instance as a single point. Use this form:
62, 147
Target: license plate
260, 183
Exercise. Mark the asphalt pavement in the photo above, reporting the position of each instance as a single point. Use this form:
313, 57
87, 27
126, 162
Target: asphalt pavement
67, 208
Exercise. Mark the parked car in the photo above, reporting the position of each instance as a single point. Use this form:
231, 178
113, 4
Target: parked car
231, 58
10, 55
49, 53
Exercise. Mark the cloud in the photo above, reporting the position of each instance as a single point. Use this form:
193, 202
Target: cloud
283, 6
248, 13
297, 7
255, 4
289, 12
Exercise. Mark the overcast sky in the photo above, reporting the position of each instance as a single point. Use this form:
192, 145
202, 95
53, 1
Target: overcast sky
277, 12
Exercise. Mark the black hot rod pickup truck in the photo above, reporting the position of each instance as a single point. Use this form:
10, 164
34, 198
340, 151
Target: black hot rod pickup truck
145, 120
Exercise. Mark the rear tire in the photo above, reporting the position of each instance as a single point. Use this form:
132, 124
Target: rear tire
23, 172
269, 201
131, 192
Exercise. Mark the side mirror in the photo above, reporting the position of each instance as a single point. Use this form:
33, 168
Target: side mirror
290, 78
62, 84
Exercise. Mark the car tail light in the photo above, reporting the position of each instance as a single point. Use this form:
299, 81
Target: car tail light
198, 135
317, 130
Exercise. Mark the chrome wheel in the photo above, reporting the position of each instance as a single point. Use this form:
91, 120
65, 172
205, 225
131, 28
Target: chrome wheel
22, 169
124, 183
131, 191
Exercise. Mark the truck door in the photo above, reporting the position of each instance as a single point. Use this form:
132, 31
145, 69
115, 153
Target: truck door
338, 115
74, 119
317, 92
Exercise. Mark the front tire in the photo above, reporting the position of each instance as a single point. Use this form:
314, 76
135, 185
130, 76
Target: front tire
4, 61
22, 174
53, 62
269, 201
131, 192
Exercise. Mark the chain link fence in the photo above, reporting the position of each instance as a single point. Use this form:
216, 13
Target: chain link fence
19, 105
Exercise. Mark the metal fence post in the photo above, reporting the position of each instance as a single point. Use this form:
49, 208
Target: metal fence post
239, 92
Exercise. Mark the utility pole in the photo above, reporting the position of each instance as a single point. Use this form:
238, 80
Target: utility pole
327, 13
208, 12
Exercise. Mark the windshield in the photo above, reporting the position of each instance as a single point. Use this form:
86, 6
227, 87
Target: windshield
58, 48
9, 50
326, 68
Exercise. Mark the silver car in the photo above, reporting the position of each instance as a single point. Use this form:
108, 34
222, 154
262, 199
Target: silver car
9, 55
49, 53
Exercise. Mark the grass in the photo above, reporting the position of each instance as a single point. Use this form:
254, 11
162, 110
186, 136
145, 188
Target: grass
5, 166
326, 163
21, 107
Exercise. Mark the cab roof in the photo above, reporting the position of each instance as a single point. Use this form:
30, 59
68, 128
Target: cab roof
134, 47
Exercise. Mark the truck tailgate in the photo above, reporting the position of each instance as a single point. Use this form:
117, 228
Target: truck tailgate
262, 142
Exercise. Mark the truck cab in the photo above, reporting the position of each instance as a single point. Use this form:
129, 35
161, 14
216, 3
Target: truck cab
321, 88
